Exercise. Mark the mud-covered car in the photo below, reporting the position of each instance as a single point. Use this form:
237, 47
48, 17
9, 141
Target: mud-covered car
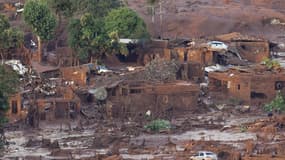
204, 155
216, 46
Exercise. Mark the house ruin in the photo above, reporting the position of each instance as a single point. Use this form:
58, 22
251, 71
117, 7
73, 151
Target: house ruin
250, 48
253, 85
135, 98
16, 109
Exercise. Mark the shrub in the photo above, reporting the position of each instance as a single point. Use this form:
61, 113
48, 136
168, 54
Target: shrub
271, 64
277, 104
158, 125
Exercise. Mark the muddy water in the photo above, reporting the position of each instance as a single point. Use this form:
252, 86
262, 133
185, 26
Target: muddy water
205, 135
79, 143
68, 140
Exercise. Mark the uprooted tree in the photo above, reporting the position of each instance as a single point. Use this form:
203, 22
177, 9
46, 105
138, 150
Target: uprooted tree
40, 18
9, 82
10, 38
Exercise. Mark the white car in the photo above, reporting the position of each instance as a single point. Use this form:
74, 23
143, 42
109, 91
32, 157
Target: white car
217, 46
204, 155
102, 69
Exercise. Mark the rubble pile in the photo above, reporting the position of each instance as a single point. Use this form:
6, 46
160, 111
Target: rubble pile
161, 70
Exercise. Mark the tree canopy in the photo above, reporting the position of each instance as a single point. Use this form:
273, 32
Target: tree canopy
9, 81
97, 32
8, 85
84, 35
43, 23
127, 23
38, 16
62, 7
88, 37
10, 38
98, 8
4, 24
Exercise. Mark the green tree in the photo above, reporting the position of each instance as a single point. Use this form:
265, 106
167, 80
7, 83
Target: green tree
88, 37
126, 23
98, 8
10, 38
39, 17
9, 82
4, 23
62, 8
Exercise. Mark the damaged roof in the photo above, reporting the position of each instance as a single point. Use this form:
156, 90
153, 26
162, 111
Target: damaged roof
236, 36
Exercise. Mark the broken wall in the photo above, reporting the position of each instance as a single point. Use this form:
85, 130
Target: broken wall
58, 108
16, 110
161, 99
78, 74
250, 87
65, 56
191, 71
200, 56
231, 84
265, 87
254, 51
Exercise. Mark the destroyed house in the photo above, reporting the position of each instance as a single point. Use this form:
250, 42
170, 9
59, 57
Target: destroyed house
135, 98
254, 85
199, 55
76, 74
64, 106
191, 71
16, 109
58, 108
253, 49
180, 50
182, 54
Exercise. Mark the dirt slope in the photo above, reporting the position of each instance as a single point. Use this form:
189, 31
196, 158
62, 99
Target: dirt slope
195, 18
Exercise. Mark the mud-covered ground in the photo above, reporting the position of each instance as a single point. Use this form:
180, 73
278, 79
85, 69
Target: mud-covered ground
196, 18
93, 138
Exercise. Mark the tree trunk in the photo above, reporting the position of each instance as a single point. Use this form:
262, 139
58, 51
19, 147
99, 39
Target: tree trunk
2, 58
39, 49
152, 14
59, 29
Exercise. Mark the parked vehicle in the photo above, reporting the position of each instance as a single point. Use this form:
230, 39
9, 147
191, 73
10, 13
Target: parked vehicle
102, 69
217, 46
204, 155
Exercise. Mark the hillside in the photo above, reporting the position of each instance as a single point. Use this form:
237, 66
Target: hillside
192, 18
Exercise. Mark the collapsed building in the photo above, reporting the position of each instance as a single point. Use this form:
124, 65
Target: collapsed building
249, 48
65, 106
179, 50
16, 109
76, 74
252, 85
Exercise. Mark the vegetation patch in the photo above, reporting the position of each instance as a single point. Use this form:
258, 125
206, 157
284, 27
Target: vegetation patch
158, 125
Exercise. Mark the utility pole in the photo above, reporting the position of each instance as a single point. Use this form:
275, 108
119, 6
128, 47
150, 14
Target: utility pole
161, 17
